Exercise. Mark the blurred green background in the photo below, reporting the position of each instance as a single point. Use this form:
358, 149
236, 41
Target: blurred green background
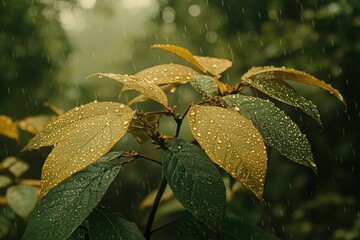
48, 47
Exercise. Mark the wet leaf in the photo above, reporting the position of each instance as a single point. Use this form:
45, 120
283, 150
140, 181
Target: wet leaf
8, 128
148, 88
285, 94
167, 73
206, 85
142, 98
110, 225
181, 52
55, 109
277, 129
215, 66
34, 124
232, 142
15, 165
80, 137
66, 205
22, 199
195, 182
281, 73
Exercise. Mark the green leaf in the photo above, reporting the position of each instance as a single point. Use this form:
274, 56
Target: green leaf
22, 199
277, 129
167, 73
206, 85
232, 142
282, 73
195, 182
142, 85
80, 137
284, 93
66, 206
5, 181
109, 225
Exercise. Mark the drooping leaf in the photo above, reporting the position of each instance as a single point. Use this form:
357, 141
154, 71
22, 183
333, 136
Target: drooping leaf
106, 224
281, 73
206, 85
142, 98
80, 137
232, 229
34, 124
66, 205
22, 199
284, 93
167, 73
8, 128
55, 109
232, 142
195, 182
142, 85
181, 52
277, 129
215, 66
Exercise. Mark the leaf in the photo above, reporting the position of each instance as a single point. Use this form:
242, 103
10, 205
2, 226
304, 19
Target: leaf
284, 93
215, 66
277, 129
282, 73
22, 199
181, 52
8, 128
15, 165
167, 73
195, 182
55, 109
106, 224
66, 206
206, 85
232, 142
5, 181
80, 137
149, 89
34, 124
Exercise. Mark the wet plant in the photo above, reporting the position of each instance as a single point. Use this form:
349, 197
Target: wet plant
232, 127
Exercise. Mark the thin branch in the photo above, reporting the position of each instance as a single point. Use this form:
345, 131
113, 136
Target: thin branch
164, 226
31, 182
149, 158
147, 233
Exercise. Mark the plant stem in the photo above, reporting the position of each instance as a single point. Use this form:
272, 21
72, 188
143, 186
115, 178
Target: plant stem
147, 233
149, 158
164, 226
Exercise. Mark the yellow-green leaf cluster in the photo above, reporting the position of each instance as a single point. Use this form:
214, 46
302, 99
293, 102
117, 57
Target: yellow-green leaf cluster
80, 137
8, 128
232, 142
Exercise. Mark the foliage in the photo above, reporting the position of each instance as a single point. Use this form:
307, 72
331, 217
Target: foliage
230, 128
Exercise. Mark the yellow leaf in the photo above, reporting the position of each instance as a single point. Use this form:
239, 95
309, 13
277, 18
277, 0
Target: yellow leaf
80, 137
181, 52
232, 142
167, 73
58, 111
34, 124
149, 89
281, 73
211, 65
215, 66
142, 98
8, 128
